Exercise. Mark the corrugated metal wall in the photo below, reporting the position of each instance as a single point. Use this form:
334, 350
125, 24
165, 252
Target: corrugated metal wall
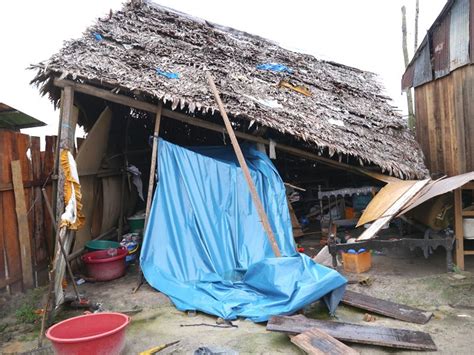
446, 47
440, 45
459, 35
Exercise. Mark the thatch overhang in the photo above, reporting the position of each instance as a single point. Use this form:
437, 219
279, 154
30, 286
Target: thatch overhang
347, 117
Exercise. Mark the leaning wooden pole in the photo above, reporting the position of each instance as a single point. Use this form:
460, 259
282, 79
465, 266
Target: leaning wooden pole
244, 167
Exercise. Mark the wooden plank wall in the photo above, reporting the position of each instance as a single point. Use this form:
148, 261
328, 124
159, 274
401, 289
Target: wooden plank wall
36, 167
445, 122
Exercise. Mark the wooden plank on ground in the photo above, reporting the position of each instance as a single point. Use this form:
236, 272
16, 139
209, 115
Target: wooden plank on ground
23, 230
355, 333
317, 342
386, 308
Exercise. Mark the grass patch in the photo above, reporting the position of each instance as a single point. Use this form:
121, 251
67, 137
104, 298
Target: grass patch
26, 314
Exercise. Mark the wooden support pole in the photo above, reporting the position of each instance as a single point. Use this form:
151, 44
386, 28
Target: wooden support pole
154, 154
23, 230
67, 131
245, 169
151, 180
458, 228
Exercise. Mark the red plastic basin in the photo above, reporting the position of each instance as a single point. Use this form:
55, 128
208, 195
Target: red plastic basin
91, 334
103, 267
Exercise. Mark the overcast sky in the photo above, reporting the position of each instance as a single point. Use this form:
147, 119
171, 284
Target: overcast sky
365, 34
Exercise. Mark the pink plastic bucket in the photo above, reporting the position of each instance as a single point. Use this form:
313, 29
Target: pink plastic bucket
91, 334
103, 267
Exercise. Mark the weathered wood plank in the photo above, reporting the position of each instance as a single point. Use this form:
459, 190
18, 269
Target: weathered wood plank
355, 333
2, 244
317, 342
23, 228
386, 308
10, 231
41, 249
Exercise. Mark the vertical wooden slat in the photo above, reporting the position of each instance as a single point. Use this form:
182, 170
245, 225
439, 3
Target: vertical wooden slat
458, 228
10, 231
40, 243
22, 220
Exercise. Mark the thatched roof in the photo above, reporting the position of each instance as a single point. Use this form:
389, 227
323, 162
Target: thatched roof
347, 115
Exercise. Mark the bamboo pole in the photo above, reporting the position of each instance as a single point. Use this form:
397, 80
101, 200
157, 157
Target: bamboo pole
245, 169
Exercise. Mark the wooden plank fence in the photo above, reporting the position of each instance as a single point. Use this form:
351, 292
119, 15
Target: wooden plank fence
35, 167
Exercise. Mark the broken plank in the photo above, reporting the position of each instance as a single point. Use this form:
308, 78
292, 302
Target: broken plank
355, 333
317, 342
22, 220
386, 308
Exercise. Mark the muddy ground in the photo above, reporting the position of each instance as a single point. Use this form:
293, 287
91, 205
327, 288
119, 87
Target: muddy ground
401, 277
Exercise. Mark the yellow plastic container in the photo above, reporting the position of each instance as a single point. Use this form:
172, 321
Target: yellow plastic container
357, 263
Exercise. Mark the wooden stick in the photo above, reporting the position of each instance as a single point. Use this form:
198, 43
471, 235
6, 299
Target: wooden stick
245, 169
154, 154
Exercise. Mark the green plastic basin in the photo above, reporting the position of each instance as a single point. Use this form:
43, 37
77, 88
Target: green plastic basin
95, 245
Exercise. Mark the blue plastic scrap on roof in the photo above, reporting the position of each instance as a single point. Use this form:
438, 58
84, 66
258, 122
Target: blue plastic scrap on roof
97, 36
205, 246
275, 67
166, 74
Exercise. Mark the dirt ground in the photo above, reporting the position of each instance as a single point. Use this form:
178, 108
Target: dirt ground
401, 277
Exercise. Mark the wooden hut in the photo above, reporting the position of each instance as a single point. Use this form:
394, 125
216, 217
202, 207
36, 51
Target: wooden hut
147, 64
442, 75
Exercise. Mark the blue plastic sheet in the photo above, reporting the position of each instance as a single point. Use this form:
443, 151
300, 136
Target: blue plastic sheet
206, 249
280, 68
166, 74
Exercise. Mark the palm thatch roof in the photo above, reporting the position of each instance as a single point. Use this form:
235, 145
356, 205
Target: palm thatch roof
347, 115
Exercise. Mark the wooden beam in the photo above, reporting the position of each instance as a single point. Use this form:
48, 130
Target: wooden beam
23, 230
245, 169
194, 121
106, 95
458, 228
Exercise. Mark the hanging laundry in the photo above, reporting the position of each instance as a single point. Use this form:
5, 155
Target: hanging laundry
136, 179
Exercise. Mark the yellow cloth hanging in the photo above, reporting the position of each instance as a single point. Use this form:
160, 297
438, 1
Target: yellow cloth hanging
72, 218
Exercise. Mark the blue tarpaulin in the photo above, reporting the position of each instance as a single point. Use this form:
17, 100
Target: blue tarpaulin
205, 246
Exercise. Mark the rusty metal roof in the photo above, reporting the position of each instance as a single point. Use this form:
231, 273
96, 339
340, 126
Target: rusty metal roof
445, 47
11, 118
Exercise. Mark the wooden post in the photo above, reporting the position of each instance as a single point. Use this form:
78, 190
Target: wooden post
458, 228
154, 154
151, 181
67, 130
244, 167
23, 230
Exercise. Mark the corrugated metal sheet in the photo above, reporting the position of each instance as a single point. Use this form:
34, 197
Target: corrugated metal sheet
459, 34
407, 79
423, 70
11, 118
440, 47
